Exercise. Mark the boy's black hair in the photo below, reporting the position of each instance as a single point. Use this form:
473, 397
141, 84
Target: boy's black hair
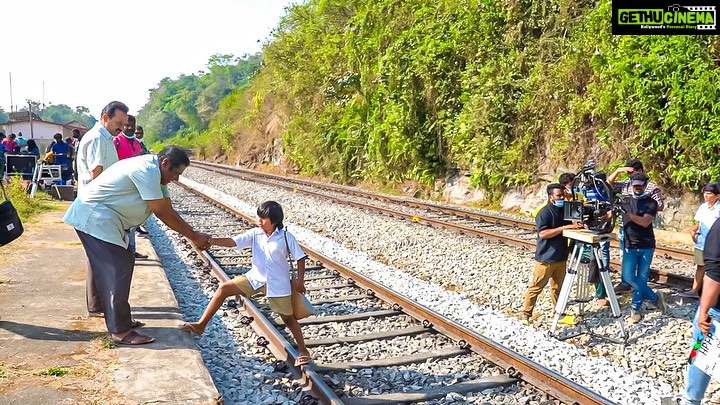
272, 211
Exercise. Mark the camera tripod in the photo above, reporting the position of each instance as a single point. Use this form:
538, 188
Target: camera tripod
577, 272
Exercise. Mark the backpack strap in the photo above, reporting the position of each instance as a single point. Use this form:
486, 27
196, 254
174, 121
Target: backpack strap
290, 260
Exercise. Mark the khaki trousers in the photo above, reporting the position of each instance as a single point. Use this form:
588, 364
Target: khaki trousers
544, 272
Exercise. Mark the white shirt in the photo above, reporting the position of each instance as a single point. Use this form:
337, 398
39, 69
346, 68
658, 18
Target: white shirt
117, 199
705, 216
96, 149
270, 259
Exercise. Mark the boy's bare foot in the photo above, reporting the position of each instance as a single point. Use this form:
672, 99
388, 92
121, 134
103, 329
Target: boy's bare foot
192, 327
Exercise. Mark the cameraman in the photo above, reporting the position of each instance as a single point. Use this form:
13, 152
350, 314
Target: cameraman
551, 251
639, 246
633, 166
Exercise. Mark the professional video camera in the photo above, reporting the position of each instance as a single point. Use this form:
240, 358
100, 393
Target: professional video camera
594, 202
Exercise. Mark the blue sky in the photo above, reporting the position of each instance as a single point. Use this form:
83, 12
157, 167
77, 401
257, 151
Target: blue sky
90, 52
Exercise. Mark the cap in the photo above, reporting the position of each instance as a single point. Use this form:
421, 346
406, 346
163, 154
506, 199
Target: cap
638, 182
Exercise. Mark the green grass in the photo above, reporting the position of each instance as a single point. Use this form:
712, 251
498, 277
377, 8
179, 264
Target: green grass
108, 344
26, 206
55, 372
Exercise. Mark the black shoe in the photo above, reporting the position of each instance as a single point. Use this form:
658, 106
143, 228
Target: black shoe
140, 256
622, 287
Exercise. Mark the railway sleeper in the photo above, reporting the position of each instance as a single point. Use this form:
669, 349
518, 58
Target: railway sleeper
342, 298
410, 331
329, 286
433, 393
421, 357
315, 320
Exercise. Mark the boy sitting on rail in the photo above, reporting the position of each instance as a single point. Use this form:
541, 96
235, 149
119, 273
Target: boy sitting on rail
270, 273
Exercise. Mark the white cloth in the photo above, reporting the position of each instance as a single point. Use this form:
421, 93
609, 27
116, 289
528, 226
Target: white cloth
270, 259
705, 216
117, 200
96, 149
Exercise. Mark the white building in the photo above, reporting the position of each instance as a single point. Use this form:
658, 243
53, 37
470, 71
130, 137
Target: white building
36, 128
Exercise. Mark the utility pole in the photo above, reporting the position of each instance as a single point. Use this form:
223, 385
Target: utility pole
30, 117
11, 101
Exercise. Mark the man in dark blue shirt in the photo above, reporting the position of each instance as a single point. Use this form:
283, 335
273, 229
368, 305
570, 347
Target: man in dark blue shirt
639, 246
551, 251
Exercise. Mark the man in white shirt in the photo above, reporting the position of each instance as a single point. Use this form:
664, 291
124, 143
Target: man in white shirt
123, 197
95, 153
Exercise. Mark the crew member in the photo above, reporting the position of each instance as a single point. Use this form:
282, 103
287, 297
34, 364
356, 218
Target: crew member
551, 251
639, 245
633, 166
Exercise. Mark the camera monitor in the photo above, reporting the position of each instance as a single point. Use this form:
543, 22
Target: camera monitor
22, 165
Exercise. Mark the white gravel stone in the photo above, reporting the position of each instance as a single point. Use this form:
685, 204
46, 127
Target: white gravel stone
477, 284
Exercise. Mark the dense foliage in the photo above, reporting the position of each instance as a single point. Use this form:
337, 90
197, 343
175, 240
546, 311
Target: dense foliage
181, 108
63, 114
392, 90
395, 89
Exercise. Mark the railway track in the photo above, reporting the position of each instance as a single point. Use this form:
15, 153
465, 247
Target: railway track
416, 336
489, 226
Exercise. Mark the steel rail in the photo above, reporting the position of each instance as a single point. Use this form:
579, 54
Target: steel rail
515, 364
656, 275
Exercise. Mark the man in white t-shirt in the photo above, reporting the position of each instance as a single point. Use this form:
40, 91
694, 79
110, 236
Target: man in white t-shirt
122, 197
705, 217
94, 154
96, 151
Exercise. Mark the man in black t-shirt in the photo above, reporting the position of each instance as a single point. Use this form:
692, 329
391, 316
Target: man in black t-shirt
639, 246
551, 251
696, 381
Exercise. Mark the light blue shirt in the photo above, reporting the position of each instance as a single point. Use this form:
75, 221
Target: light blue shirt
96, 149
118, 199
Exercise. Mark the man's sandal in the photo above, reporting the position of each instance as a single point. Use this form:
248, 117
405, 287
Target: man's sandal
133, 338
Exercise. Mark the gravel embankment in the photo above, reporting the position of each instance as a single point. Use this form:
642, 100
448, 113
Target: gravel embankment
479, 284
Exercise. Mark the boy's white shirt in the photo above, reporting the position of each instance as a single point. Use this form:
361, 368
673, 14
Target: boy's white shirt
270, 259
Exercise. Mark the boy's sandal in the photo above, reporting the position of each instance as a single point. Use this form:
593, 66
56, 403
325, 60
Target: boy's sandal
302, 360
134, 338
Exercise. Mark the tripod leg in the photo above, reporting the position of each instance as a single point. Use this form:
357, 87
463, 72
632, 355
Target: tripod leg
570, 274
612, 298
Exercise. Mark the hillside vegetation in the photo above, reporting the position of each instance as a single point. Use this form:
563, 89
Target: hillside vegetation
395, 90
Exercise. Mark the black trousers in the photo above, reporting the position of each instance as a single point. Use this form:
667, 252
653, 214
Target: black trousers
111, 267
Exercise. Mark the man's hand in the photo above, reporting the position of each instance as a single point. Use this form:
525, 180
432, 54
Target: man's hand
704, 324
201, 241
